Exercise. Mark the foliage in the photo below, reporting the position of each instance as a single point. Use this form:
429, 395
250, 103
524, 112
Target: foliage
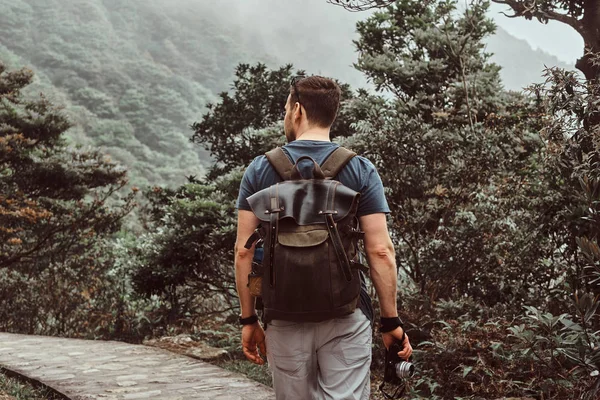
581, 15
228, 129
258, 100
57, 207
470, 357
458, 156
556, 343
133, 75
571, 133
184, 259
22, 390
426, 57
487, 200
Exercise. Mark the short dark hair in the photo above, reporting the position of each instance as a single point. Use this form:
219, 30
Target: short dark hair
319, 96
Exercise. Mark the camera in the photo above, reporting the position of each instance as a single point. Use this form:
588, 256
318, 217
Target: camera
396, 371
396, 368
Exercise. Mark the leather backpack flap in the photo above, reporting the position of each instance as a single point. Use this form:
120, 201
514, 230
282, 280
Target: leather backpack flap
306, 201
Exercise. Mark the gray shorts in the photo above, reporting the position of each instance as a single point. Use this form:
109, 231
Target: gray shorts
327, 360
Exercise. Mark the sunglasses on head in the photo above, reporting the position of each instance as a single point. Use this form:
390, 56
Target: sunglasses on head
295, 80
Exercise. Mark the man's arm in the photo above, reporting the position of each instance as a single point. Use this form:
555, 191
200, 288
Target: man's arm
247, 223
382, 262
253, 336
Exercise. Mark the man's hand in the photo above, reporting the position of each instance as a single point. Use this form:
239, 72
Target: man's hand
391, 337
253, 339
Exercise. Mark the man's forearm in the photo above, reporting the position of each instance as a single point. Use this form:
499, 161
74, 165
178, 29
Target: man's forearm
384, 277
243, 267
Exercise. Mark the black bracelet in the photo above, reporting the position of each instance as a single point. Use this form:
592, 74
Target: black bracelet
389, 324
249, 321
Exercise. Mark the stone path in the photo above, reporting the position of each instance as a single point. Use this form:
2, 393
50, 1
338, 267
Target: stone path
104, 370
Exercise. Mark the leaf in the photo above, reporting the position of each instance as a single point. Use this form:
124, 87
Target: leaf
446, 325
466, 371
589, 314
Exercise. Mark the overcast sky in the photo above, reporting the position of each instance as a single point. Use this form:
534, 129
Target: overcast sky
555, 38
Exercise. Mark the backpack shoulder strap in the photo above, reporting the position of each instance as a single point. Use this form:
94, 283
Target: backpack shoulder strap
336, 162
280, 162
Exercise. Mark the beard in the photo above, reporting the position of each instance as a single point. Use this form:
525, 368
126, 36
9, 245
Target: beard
290, 133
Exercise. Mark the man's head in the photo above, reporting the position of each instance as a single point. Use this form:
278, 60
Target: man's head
313, 103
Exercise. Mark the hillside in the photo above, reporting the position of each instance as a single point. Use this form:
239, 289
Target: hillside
134, 75
521, 65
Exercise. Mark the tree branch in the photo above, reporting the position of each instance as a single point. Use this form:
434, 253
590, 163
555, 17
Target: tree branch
530, 10
361, 5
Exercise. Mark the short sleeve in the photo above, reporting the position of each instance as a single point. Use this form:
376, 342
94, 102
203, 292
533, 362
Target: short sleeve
247, 187
372, 194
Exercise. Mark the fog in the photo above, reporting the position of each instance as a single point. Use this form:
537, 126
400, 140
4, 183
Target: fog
317, 36
555, 38
311, 34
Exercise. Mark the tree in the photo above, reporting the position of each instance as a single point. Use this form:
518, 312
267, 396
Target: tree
448, 131
573, 221
57, 205
51, 196
581, 15
185, 258
257, 102
229, 129
427, 59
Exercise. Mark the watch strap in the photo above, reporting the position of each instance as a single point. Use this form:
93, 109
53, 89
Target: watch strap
249, 321
389, 324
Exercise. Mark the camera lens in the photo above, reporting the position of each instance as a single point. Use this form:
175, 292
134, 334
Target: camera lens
405, 369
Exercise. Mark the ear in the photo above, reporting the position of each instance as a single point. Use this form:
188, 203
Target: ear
297, 110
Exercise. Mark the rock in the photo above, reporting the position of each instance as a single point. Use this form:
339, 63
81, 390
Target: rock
185, 345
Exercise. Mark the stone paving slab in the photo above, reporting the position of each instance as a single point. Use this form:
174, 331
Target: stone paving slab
108, 370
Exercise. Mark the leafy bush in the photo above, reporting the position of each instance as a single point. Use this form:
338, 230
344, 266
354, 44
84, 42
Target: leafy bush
184, 259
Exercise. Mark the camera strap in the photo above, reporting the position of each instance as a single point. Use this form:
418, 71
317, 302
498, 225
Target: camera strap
398, 393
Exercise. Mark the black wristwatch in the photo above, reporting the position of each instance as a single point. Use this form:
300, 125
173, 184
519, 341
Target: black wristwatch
249, 321
389, 324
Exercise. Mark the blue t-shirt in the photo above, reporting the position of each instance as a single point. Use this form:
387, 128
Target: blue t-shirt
359, 174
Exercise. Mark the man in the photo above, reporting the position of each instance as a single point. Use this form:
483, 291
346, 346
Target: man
329, 359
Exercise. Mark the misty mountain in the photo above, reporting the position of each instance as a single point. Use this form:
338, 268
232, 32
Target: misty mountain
521, 65
134, 75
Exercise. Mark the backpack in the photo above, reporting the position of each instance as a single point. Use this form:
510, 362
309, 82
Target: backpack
310, 232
